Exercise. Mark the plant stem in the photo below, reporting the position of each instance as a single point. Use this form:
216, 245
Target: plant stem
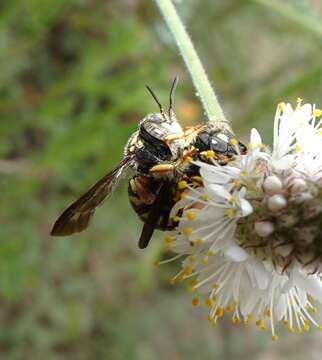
200, 80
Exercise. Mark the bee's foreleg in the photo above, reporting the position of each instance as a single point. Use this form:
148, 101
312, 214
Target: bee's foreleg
163, 169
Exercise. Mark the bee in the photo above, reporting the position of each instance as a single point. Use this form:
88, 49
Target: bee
160, 154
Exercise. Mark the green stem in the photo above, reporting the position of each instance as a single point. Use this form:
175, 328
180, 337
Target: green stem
200, 80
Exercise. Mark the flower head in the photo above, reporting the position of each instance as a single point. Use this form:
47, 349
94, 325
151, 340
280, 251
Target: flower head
251, 234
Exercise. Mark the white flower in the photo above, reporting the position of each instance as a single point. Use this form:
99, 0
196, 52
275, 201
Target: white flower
251, 234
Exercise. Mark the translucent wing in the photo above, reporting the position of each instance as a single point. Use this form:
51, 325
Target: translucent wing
77, 216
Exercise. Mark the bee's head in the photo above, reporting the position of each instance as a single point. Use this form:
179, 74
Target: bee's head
218, 140
163, 126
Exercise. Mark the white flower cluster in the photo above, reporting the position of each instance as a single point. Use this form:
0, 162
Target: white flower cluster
251, 233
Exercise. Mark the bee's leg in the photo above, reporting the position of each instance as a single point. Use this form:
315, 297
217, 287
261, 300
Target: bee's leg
145, 158
191, 132
141, 185
130, 146
162, 169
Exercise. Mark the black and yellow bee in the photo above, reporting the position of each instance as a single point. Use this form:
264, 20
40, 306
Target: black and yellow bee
160, 153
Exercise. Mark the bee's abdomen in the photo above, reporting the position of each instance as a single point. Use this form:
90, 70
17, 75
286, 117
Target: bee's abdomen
142, 193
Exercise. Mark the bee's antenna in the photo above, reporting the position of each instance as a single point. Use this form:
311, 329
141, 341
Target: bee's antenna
156, 99
173, 87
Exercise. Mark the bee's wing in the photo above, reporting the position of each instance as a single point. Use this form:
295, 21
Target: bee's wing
78, 215
154, 216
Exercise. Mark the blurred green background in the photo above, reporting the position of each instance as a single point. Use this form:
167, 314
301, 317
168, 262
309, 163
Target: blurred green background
71, 92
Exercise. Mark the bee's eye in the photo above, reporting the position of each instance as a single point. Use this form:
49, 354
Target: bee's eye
214, 141
158, 131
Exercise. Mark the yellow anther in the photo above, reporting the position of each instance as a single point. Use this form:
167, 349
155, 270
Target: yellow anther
157, 263
176, 218
298, 148
210, 318
195, 301
317, 112
191, 215
205, 260
313, 309
290, 329
209, 154
306, 327
250, 146
192, 258
260, 323
180, 277
209, 302
230, 212
229, 308
168, 239
320, 132
285, 322
188, 158
187, 270
200, 241
182, 185
282, 106
299, 100
319, 327
204, 197
219, 311
192, 283
211, 253
233, 141
177, 277
268, 313
243, 173
274, 338
235, 319
187, 230
216, 286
